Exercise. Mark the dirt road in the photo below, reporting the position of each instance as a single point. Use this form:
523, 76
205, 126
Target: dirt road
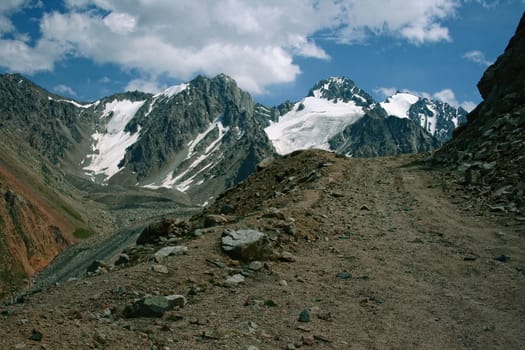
387, 256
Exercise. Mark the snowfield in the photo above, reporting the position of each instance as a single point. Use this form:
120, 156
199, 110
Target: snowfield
399, 104
109, 146
313, 125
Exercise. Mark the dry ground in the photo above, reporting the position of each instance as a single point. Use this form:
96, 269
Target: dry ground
420, 255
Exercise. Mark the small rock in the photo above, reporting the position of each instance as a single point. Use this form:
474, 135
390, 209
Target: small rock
337, 194
214, 220
5, 312
234, 280
265, 163
344, 275
36, 335
287, 257
198, 233
308, 339
470, 258
502, 258
216, 263
365, 207
290, 347
170, 250
273, 213
123, 259
304, 316
100, 337
255, 265
252, 347
176, 300
159, 231
160, 269
325, 316
497, 208
97, 265
283, 283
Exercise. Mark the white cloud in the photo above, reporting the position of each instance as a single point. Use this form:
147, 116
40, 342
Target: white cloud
8, 7
120, 23
385, 92
477, 56
105, 80
468, 105
65, 90
254, 41
417, 21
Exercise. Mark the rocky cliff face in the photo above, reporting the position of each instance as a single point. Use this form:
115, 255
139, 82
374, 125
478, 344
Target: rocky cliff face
374, 136
489, 150
200, 141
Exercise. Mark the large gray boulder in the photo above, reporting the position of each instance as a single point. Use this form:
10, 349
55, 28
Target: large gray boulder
246, 245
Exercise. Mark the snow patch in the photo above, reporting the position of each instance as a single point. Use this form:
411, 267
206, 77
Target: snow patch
74, 103
109, 147
183, 185
314, 125
399, 104
173, 90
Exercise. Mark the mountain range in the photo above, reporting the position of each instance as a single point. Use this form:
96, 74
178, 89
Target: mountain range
100, 166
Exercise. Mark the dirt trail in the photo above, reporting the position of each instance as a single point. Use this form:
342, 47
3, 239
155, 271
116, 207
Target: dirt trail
422, 275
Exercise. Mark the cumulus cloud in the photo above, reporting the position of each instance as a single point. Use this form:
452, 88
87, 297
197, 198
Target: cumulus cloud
65, 90
476, 56
385, 92
256, 41
418, 21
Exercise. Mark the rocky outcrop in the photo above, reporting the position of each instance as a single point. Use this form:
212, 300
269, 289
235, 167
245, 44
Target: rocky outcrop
32, 233
374, 136
489, 150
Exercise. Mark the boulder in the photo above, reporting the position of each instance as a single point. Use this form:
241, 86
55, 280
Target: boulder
154, 306
170, 250
162, 229
246, 244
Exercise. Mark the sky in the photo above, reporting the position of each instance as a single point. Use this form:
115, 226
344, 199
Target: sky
276, 50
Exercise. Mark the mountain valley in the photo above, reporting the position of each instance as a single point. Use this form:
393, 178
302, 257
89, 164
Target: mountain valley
196, 218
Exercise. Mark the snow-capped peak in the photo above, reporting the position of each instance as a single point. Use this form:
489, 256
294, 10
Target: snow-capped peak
311, 123
436, 117
173, 90
341, 89
399, 104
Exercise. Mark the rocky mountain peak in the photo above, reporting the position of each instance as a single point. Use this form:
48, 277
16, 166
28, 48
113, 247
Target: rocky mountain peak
341, 89
436, 117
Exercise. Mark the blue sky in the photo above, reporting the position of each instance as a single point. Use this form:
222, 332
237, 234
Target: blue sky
277, 50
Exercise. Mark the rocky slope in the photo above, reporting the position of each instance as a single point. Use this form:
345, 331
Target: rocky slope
363, 253
488, 152
36, 223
